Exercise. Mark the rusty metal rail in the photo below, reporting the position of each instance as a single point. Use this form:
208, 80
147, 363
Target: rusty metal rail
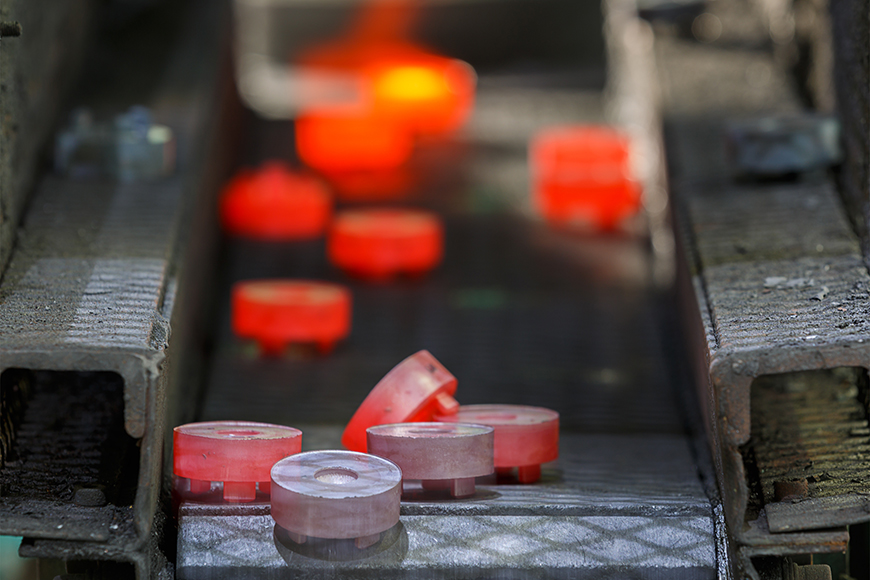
811, 447
773, 281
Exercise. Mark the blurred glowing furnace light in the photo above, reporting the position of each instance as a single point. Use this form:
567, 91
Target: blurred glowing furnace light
275, 313
410, 83
406, 91
349, 141
379, 244
430, 97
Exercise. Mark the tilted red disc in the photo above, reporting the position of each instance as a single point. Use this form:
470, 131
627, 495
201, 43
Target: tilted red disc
414, 390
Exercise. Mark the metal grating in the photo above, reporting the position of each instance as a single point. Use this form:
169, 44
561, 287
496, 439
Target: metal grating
513, 319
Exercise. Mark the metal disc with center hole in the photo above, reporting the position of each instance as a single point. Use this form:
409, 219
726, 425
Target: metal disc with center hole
236, 451
336, 494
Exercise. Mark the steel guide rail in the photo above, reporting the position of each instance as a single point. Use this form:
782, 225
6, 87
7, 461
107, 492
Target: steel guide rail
100, 273
771, 274
520, 314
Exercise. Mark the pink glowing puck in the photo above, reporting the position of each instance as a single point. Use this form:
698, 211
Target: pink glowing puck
336, 495
381, 243
238, 454
581, 175
440, 455
525, 437
279, 312
414, 390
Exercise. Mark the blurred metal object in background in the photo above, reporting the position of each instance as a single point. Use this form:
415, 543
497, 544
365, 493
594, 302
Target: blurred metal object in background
142, 148
780, 145
132, 148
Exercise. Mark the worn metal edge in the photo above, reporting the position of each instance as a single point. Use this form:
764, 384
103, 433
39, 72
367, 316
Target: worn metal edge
828, 512
145, 370
139, 368
759, 541
729, 374
713, 367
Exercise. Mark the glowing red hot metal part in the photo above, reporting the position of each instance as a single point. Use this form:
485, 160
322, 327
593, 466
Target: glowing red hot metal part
581, 175
237, 454
276, 313
414, 390
380, 243
274, 203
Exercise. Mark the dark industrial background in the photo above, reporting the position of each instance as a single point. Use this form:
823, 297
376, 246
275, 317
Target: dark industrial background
709, 351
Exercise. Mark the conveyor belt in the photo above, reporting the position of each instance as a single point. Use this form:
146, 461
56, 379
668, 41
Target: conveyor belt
520, 314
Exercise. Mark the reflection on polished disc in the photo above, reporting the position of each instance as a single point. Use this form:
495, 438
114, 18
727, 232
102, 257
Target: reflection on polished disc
335, 494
